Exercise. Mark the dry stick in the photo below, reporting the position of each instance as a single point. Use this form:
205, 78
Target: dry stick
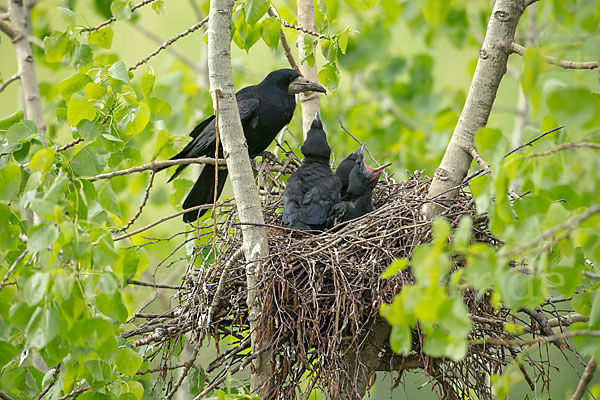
186, 368
74, 392
154, 285
160, 221
8, 30
139, 211
154, 165
586, 378
70, 144
480, 161
113, 19
284, 43
540, 341
302, 29
51, 383
9, 80
566, 146
359, 142
520, 50
569, 225
567, 320
590, 274
11, 269
168, 43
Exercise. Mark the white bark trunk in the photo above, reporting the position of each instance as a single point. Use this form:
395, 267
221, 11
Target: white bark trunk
246, 195
491, 66
31, 89
310, 101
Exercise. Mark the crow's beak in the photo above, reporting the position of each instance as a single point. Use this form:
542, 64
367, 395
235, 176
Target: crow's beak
376, 172
301, 84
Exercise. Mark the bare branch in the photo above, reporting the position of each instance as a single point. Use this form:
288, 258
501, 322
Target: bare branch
305, 30
590, 274
186, 368
154, 285
8, 30
567, 320
70, 144
539, 340
586, 378
520, 50
486, 168
139, 211
168, 43
568, 226
12, 268
74, 392
4, 396
8, 81
566, 146
358, 141
113, 19
284, 43
51, 383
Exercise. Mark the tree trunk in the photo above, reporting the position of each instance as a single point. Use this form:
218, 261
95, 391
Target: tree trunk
235, 149
491, 66
310, 101
31, 89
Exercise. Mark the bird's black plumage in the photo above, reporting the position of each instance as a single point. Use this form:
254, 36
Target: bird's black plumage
357, 200
313, 189
345, 168
264, 110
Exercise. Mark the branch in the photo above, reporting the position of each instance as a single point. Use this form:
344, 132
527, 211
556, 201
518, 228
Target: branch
11, 269
113, 19
586, 378
168, 42
74, 392
50, 384
520, 50
358, 141
486, 168
284, 43
139, 211
567, 320
305, 30
155, 165
70, 144
590, 274
566, 146
568, 225
4, 396
8, 30
539, 340
154, 285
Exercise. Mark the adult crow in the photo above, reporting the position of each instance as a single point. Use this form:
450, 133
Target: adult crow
358, 198
264, 110
313, 189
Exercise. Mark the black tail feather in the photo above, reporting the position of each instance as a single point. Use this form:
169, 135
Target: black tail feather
203, 191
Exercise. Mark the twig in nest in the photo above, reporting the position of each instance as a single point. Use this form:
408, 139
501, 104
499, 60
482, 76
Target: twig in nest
154, 285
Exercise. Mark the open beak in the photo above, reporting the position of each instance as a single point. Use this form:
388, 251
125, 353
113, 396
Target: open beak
301, 84
374, 173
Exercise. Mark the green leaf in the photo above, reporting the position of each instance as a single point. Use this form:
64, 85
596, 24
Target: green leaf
108, 200
462, 235
434, 11
89, 161
400, 339
55, 47
343, 40
159, 108
10, 182
119, 71
271, 30
328, 76
39, 237
112, 305
435, 343
81, 55
572, 106
595, 311
42, 160
582, 303
255, 9
93, 91
159, 7
68, 14
128, 263
361, 5
7, 352
35, 288
43, 326
140, 121
128, 361
147, 83
73, 84
394, 268
120, 9
102, 37
79, 109
19, 133
12, 119
89, 130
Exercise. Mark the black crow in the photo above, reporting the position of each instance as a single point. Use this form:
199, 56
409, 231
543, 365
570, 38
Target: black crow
264, 110
343, 170
362, 179
313, 189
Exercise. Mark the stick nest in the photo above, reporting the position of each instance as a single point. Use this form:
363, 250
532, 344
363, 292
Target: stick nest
322, 294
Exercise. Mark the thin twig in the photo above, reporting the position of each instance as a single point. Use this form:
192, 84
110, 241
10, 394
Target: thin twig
479, 160
168, 43
74, 392
10, 32
11, 269
590, 274
185, 371
8, 81
565, 146
113, 19
4, 396
520, 50
568, 225
70, 144
155, 165
154, 285
51, 383
539, 340
146, 195
358, 141
284, 43
303, 29
586, 378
